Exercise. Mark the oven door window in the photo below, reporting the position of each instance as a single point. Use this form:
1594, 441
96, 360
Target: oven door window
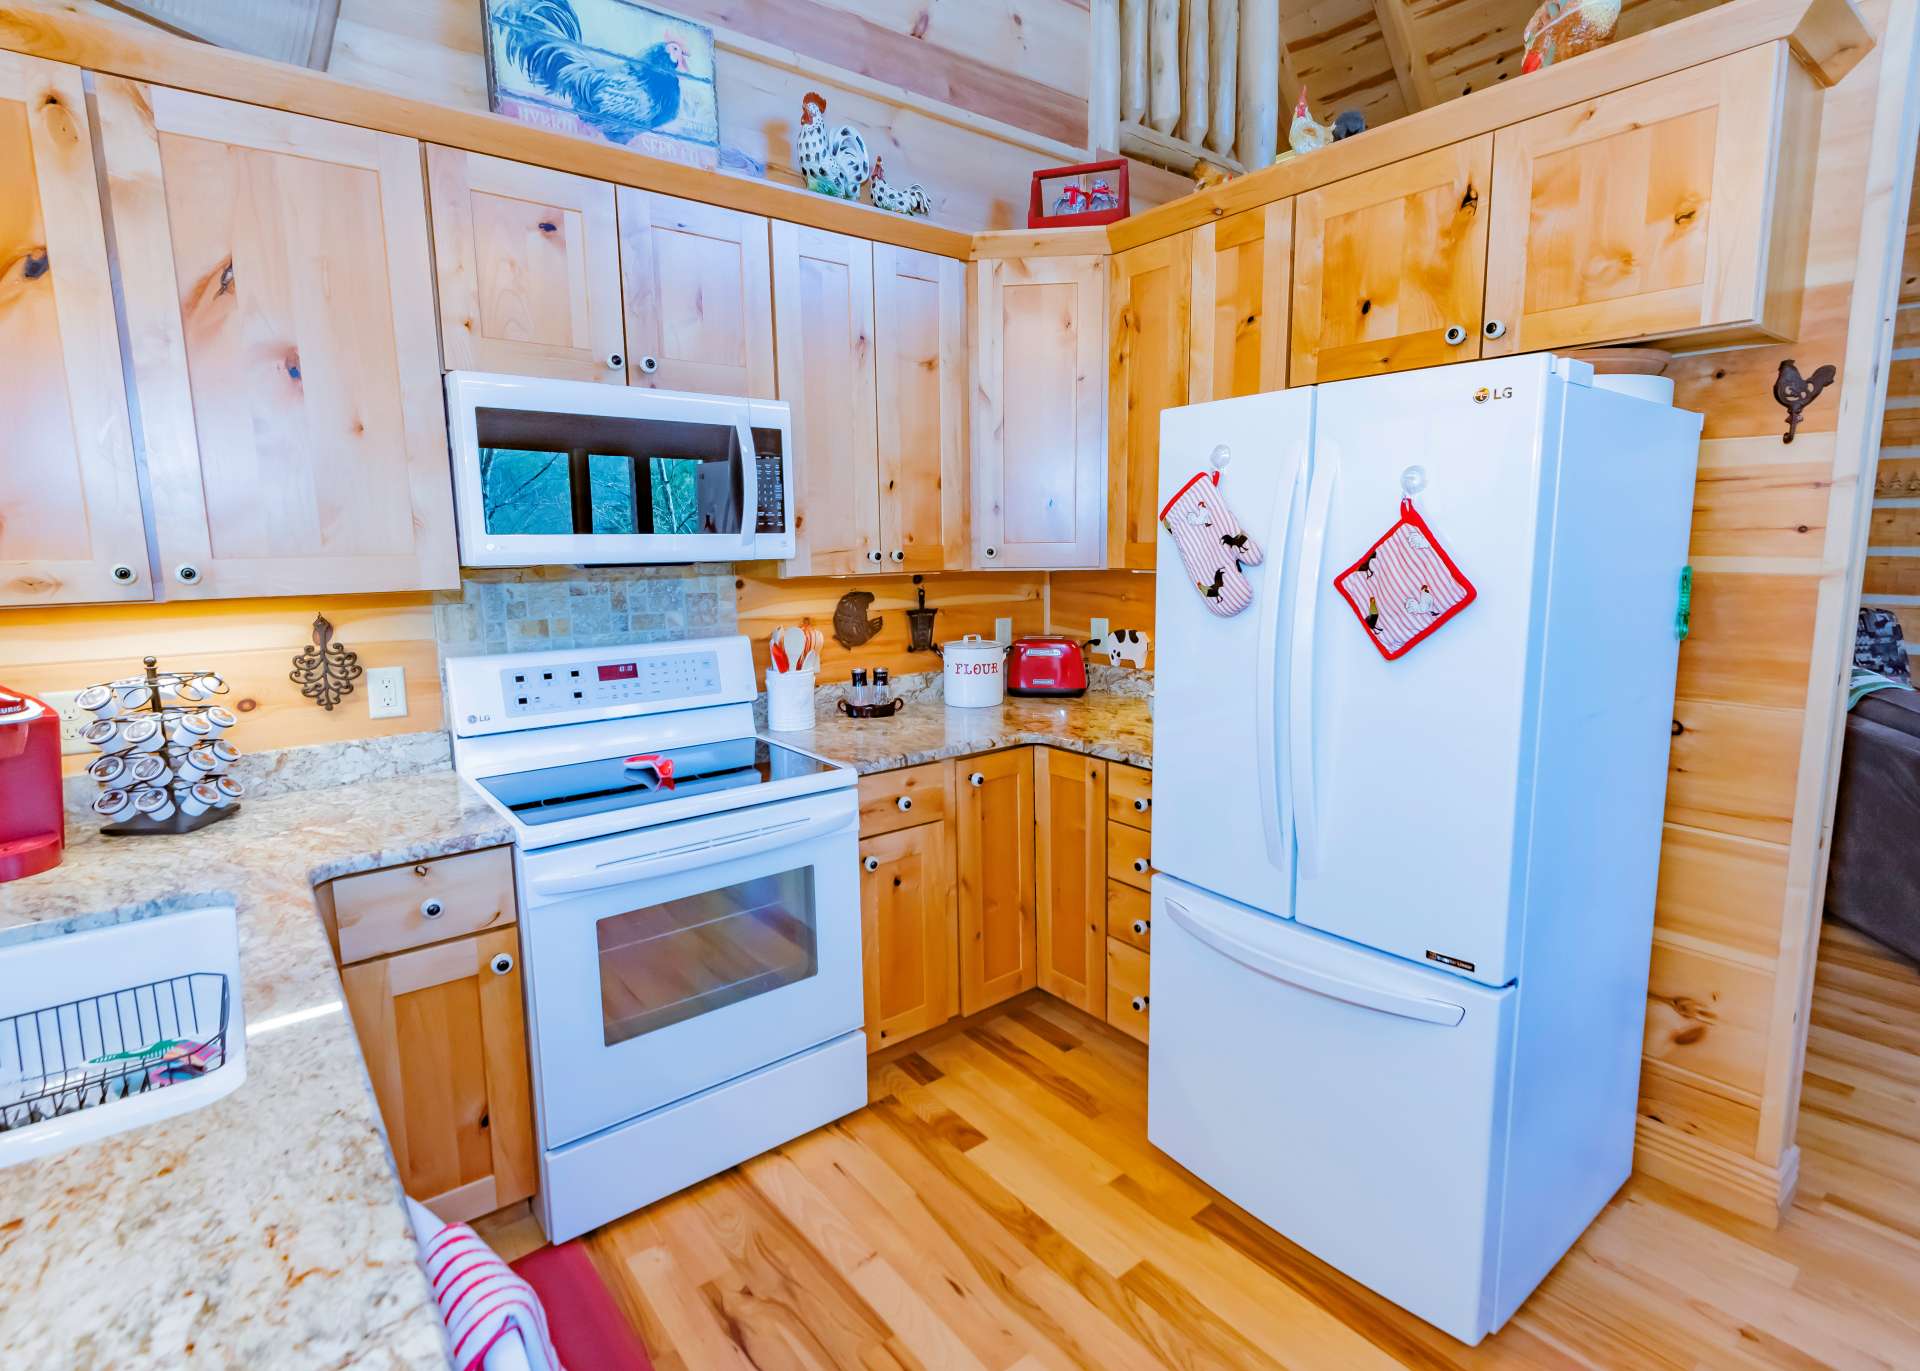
672, 962
548, 473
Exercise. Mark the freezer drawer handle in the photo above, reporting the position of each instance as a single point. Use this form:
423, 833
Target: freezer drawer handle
1319, 982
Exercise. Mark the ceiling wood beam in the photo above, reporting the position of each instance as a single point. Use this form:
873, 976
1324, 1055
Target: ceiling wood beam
1409, 59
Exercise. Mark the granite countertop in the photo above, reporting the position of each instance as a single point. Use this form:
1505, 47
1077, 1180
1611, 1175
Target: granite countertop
265, 1229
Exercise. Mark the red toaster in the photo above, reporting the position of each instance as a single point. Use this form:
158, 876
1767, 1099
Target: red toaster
1046, 666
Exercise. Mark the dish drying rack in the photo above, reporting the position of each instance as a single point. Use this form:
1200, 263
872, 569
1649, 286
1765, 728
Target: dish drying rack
68, 1057
192, 694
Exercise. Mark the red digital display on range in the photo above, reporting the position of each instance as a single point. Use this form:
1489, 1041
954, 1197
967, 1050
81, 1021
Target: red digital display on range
625, 671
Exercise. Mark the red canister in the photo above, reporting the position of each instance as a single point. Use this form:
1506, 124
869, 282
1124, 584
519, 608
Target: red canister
33, 827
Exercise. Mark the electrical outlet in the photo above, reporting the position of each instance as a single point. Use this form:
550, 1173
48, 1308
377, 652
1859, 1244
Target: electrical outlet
1098, 630
1003, 630
72, 720
386, 692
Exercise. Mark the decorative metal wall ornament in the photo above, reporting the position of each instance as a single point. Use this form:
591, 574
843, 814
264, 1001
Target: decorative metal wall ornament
920, 620
1795, 392
326, 671
851, 626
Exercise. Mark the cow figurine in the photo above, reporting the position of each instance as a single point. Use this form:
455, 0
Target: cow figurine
1124, 647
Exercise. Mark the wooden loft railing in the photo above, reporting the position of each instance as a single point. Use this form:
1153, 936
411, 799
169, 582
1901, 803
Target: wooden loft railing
1177, 82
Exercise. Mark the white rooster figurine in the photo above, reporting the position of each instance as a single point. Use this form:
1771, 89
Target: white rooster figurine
912, 199
1307, 134
834, 164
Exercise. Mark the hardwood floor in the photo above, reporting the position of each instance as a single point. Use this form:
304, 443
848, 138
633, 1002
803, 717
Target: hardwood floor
997, 1206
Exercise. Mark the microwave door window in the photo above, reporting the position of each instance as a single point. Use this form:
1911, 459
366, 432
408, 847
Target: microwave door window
526, 491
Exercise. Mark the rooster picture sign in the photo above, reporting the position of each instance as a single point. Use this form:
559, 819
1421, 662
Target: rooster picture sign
606, 69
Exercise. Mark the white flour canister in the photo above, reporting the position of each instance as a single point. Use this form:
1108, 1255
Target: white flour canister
975, 672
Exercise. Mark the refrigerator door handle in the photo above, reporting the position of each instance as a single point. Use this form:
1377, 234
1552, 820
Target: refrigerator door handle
1264, 701
1357, 993
1306, 597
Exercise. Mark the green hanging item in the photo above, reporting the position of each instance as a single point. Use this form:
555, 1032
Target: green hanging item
1683, 613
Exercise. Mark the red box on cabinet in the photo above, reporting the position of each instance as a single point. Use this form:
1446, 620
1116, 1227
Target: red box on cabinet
1092, 199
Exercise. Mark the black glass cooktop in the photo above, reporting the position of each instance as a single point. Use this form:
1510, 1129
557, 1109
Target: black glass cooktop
553, 793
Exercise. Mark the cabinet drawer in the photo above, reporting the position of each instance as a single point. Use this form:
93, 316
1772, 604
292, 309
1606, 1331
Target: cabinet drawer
1127, 854
1127, 1008
409, 906
1130, 915
892, 800
1130, 795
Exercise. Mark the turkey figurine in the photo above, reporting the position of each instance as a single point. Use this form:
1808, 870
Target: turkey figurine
910, 199
834, 163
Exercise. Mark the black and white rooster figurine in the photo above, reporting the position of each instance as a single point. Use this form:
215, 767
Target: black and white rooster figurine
910, 200
620, 97
834, 163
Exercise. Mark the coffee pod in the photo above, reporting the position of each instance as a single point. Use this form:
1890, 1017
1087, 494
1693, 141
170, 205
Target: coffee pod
103, 734
146, 768
219, 719
143, 735
199, 798
108, 771
224, 752
230, 790
133, 694
98, 701
189, 690
197, 762
113, 805
189, 729
211, 682
153, 804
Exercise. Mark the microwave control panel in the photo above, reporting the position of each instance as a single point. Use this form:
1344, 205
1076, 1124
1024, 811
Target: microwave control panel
772, 494
596, 685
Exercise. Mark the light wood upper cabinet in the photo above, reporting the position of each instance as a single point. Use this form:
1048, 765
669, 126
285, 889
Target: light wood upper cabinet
823, 319
1149, 294
1242, 271
279, 302
920, 363
445, 1039
993, 842
699, 296
908, 933
528, 262
1070, 865
1389, 266
1676, 207
70, 515
1038, 334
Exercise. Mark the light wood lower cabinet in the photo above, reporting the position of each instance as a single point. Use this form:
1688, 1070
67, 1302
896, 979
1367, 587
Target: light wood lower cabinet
993, 841
908, 932
1128, 1000
1070, 863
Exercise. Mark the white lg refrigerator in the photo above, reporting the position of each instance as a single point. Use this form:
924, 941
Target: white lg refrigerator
1404, 905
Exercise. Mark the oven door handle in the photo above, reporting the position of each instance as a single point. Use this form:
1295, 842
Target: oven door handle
648, 865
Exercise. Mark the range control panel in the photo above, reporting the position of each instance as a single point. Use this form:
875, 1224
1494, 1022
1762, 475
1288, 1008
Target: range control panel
545, 689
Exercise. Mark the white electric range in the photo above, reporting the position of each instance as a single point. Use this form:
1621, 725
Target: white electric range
689, 915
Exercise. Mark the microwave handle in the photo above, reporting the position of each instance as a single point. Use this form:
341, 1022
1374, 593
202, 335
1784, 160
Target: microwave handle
749, 488
643, 868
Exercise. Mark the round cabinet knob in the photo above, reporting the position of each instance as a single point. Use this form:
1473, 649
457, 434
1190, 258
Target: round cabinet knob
1141, 805
976, 779
899, 554
1140, 927
649, 365
874, 556
1140, 865
1455, 335
420, 871
124, 575
502, 963
1493, 328
187, 574
431, 909
616, 361
1139, 1003
869, 863
904, 803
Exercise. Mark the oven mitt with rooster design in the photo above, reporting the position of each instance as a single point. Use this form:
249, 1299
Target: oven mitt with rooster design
1213, 546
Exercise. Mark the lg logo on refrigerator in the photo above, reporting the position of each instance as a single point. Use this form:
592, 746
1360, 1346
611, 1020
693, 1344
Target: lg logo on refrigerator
1486, 393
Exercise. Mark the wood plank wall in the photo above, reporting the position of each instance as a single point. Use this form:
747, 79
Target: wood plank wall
1893, 540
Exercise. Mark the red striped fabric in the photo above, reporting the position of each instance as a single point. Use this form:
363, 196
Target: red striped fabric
1404, 586
482, 1300
1213, 546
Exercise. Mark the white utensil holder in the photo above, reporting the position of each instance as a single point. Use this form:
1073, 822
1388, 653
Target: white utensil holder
789, 701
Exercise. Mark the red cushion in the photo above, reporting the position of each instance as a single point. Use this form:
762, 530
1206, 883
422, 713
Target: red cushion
588, 1329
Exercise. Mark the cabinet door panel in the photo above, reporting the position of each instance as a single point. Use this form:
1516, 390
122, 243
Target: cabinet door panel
279, 302
920, 327
1039, 446
446, 1045
529, 268
994, 841
72, 514
699, 283
1385, 263
1070, 863
1150, 290
823, 316
908, 937
1242, 268
1651, 212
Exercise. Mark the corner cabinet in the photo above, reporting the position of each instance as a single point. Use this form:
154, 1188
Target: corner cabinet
1242, 275
1148, 303
71, 527
1070, 869
1039, 343
1675, 209
280, 315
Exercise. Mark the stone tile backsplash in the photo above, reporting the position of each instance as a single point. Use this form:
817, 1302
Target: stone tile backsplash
523, 609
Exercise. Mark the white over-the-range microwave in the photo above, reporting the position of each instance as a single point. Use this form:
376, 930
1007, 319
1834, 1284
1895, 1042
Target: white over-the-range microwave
549, 472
